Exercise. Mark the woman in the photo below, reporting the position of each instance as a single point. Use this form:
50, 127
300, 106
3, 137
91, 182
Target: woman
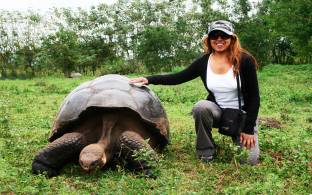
224, 59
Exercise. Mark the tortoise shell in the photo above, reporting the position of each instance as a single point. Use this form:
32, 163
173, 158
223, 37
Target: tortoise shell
111, 92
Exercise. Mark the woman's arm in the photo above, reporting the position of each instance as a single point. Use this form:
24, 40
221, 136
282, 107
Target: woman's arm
189, 73
252, 89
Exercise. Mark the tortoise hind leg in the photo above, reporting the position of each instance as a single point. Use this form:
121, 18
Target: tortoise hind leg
54, 156
137, 152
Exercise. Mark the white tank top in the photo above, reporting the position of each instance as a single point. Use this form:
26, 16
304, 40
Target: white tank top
224, 87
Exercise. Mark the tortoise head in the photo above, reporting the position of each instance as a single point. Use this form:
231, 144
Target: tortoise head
92, 157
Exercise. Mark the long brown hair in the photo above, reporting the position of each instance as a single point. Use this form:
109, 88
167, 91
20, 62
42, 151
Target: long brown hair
235, 52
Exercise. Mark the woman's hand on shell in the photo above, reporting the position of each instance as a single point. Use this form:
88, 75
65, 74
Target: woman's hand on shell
139, 80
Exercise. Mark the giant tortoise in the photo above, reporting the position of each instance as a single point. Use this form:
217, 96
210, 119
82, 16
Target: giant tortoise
103, 120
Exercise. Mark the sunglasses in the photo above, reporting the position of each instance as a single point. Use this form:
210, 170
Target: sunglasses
216, 34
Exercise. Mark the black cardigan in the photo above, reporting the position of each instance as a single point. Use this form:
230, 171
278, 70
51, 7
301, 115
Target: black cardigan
249, 82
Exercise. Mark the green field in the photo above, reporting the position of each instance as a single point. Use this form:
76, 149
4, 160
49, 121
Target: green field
28, 107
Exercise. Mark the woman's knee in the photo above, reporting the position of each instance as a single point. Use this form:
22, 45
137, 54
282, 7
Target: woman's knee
203, 107
200, 107
253, 153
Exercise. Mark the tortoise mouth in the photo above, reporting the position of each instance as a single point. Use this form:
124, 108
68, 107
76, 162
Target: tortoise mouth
93, 166
86, 169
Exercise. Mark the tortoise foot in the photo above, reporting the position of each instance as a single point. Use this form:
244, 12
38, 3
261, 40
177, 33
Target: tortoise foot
41, 168
149, 173
53, 157
137, 152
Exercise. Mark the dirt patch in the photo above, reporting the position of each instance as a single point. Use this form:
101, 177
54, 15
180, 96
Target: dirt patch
7, 193
310, 167
270, 122
277, 156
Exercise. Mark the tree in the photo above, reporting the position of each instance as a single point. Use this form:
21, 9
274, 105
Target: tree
29, 41
255, 37
61, 49
282, 52
155, 48
293, 20
95, 52
9, 41
252, 30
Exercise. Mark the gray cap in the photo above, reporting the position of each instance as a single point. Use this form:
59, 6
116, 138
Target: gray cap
222, 25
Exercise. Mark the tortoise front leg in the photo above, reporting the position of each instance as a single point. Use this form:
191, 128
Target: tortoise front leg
137, 152
54, 156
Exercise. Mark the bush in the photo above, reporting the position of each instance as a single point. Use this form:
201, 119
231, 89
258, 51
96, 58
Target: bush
119, 66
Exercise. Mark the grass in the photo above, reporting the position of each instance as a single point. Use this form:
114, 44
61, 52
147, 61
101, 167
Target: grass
28, 107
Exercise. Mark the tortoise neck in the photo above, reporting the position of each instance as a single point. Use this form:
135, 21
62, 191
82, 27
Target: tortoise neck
109, 121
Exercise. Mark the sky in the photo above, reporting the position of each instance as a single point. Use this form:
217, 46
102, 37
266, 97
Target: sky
45, 5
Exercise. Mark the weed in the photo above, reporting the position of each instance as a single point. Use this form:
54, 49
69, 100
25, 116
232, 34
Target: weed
309, 120
4, 117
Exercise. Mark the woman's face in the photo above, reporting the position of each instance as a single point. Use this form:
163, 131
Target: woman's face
219, 41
